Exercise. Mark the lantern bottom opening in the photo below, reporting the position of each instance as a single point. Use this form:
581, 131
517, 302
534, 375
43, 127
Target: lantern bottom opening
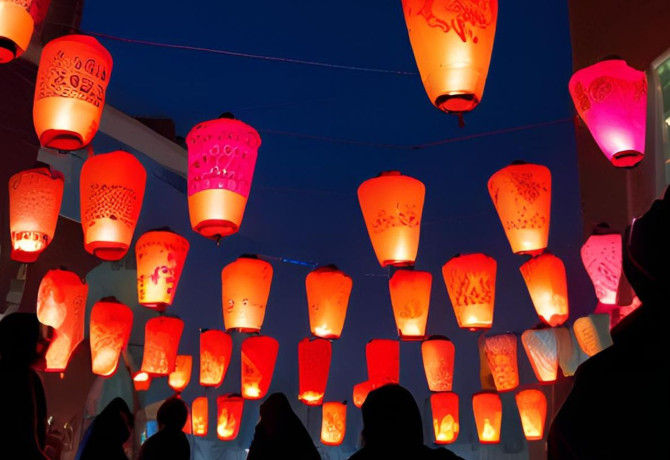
8, 50
326, 336
456, 102
244, 330
216, 229
411, 338
157, 306
18, 24
25, 257
398, 263
331, 443
61, 140
627, 158
107, 250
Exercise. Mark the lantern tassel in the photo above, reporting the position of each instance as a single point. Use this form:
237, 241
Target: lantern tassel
461, 120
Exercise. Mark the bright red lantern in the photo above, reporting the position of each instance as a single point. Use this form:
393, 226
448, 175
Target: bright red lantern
532, 405
548, 288
216, 348
313, 368
259, 355
487, 408
593, 333
181, 376
500, 353
444, 407
245, 288
161, 341
141, 381
109, 331
328, 292
542, 350
199, 416
229, 416
602, 258
333, 423
383, 360
361, 391
17, 23
410, 297
111, 192
438, 354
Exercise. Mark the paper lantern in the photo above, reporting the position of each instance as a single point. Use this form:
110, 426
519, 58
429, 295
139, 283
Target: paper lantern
313, 367
35, 197
548, 288
111, 192
410, 297
328, 292
141, 381
188, 426
333, 423
570, 356
229, 416
161, 341
500, 353
181, 376
444, 407
611, 98
542, 350
72, 78
487, 409
452, 45
216, 348
17, 23
221, 160
532, 405
392, 205
383, 361
245, 288
593, 333
521, 194
602, 258
57, 289
259, 355
438, 354
361, 391
109, 331
199, 416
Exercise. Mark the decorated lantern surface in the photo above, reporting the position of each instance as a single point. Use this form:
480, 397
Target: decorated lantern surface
383, 361
181, 376
611, 98
410, 297
438, 362
532, 405
111, 191
110, 326
500, 353
521, 194
593, 333
216, 348
602, 258
313, 368
245, 288
199, 416
328, 292
259, 355
542, 351
392, 205
570, 355
444, 407
452, 45
333, 423
361, 391
72, 79
35, 197
471, 284
221, 160
229, 416
487, 409
548, 288
141, 381
161, 341
17, 23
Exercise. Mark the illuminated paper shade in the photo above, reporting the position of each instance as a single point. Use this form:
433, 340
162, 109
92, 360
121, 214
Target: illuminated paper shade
229, 416
17, 23
383, 361
487, 409
328, 291
532, 405
501, 357
593, 333
199, 416
361, 391
216, 348
570, 356
548, 288
410, 297
57, 291
141, 381
245, 288
161, 341
109, 331
313, 368
259, 355
602, 258
438, 362
542, 351
444, 407
333, 423
181, 376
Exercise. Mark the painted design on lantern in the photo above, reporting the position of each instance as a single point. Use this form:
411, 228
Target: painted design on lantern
155, 352
530, 191
592, 333
213, 366
501, 358
601, 255
113, 202
532, 405
70, 333
464, 17
334, 425
227, 423
51, 302
404, 215
542, 350
167, 266
181, 376
446, 429
251, 378
107, 341
439, 373
199, 416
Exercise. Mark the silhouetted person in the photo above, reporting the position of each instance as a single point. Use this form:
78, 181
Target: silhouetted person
169, 442
280, 434
108, 433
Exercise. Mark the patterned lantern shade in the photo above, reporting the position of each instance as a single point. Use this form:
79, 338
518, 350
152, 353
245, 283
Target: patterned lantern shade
313, 368
410, 297
141, 381
72, 79
216, 348
17, 23
333, 423
181, 376
109, 331
161, 341
444, 407
199, 416
521, 194
438, 354
500, 353
361, 391
259, 355
602, 258
111, 191
245, 288
383, 360
542, 350
221, 160
548, 288
392, 205
611, 98
35, 197
570, 356
487, 408
229, 416
593, 333
328, 292
532, 405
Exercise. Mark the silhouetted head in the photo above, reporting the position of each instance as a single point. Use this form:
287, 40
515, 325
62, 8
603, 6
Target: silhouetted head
20, 339
391, 417
172, 414
116, 421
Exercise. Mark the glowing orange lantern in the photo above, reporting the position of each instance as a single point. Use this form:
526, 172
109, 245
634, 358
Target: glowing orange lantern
229, 416
333, 423
392, 205
161, 341
17, 22
542, 350
188, 426
500, 353
452, 46
110, 326
245, 288
548, 288
445, 417
111, 191
438, 362
259, 355
383, 360
328, 292
181, 376
216, 348
35, 197
602, 258
487, 408
57, 289
72, 79
532, 405
521, 194
361, 391
313, 367
593, 333
410, 297
199, 414
141, 381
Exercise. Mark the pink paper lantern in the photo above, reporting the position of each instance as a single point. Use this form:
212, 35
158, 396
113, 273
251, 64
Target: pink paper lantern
601, 255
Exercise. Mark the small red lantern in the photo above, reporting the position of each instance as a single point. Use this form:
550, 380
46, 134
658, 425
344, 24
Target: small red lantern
245, 288
361, 391
188, 426
110, 326
602, 258
500, 353
542, 350
141, 381
445, 417
593, 333
438, 362
181, 376
487, 408
548, 288
383, 360
259, 355
17, 23
532, 405
328, 292
229, 416
313, 367
333, 423
216, 348
161, 341
199, 416
410, 297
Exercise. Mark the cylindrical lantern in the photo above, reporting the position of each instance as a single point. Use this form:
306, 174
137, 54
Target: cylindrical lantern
221, 160
229, 410
35, 197
111, 192
313, 368
333, 423
602, 258
361, 390
452, 45
216, 348
245, 288
181, 376
444, 407
383, 361
259, 355
110, 326
199, 416
17, 23
487, 408
328, 292
438, 362
521, 194
471, 284
500, 353
72, 79
548, 288
611, 98
532, 405
161, 341
141, 381
392, 205
542, 350
593, 333
410, 297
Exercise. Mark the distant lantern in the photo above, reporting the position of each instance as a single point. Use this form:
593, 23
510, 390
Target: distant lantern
593, 333
611, 98
532, 405
438, 362
392, 205
72, 78
109, 331
602, 258
35, 197
444, 407
229, 410
328, 292
410, 297
111, 192
221, 160
383, 360
361, 391
259, 355
216, 348
542, 350
487, 408
181, 376
141, 381
521, 194
313, 368
548, 288
452, 47
17, 23
333, 423
245, 288
161, 341
501, 357
199, 416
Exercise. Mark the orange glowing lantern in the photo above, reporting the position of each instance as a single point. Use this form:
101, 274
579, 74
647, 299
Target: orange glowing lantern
445, 417
383, 360
392, 205
487, 408
161, 341
410, 297
532, 405
602, 258
593, 333
111, 191
110, 326
245, 288
438, 362
333, 423
521, 194
141, 381
222, 156
72, 78
548, 288
259, 355
328, 292
216, 348
500, 353
17, 23
452, 46
35, 197
542, 350
313, 367
361, 391
229, 416
188, 426
181, 376
199, 416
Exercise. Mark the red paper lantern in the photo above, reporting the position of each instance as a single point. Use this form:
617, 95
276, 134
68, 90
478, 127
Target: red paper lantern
532, 405
229, 416
181, 376
161, 341
410, 297
548, 288
361, 391
487, 409
245, 288
199, 416
602, 258
444, 407
500, 353
542, 350
110, 326
259, 355
17, 23
383, 360
328, 292
216, 348
438, 362
313, 367
333, 423
188, 426
593, 333
141, 381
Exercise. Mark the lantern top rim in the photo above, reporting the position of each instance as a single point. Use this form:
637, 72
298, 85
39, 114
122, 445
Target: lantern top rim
437, 337
83, 39
223, 122
605, 65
